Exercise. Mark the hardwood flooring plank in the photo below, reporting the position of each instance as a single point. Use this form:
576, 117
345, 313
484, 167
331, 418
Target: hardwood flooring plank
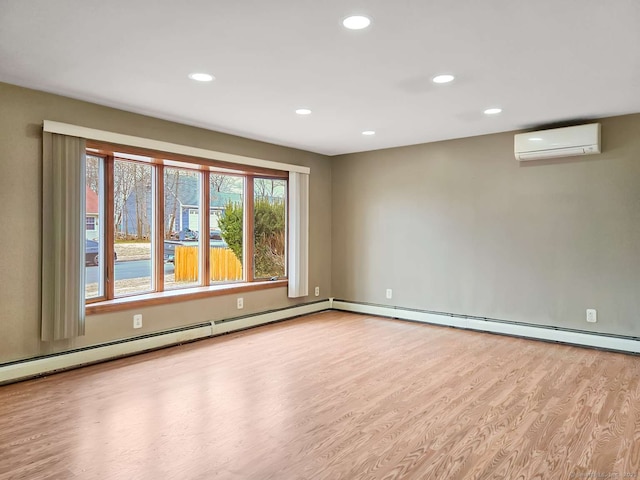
332, 396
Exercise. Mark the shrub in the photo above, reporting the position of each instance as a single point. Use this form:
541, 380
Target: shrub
231, 227
269, 234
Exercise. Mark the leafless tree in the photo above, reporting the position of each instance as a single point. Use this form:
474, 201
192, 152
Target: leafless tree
171, 185
268, 187
124, 180
219, 182
93, 173
142, 191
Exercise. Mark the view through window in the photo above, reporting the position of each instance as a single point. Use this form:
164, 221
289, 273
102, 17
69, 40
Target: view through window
270, 227
94, 203
132, 227
154, 213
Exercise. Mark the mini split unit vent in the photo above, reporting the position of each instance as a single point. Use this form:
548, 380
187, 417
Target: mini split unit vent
558, 142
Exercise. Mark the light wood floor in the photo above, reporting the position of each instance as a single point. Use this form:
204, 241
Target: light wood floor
332, 396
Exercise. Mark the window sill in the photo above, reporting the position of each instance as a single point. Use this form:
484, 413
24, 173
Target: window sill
182, 295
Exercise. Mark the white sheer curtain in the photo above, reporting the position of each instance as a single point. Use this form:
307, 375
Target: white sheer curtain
63, 233
298, 234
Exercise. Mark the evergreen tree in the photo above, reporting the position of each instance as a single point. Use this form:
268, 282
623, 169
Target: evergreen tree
269, 234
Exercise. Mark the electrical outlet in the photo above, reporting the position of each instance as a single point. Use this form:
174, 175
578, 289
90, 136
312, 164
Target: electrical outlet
592, 315
317, 291
240, 303
389, 293
137, 321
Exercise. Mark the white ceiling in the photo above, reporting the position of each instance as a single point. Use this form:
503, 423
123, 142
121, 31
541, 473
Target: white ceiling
541, 61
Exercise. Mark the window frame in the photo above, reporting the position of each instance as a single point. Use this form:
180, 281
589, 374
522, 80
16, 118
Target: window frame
110, 170
102, 181
286, 223
159, 160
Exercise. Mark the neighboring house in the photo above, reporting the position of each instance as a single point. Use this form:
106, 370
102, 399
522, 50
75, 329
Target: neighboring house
181, 208
92, 217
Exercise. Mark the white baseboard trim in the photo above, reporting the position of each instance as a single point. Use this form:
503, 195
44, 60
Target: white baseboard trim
596, 340
21, 370
226, 326
76, 358
49, 364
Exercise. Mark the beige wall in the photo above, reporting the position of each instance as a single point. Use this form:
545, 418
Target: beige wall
461, 227
21, 114
456, 226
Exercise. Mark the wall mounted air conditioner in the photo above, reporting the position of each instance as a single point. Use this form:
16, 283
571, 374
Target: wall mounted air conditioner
558, 142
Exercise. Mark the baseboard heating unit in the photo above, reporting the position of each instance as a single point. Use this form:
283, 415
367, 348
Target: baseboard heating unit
33, 367
503, 327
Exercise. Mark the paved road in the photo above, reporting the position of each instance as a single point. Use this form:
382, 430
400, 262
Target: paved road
124, 270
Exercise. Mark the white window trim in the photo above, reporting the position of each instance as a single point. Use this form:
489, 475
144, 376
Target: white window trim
141, 142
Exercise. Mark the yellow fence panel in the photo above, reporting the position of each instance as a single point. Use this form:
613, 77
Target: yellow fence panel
223, 264
185, 263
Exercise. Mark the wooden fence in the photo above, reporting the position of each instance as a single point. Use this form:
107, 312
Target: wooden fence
223, 264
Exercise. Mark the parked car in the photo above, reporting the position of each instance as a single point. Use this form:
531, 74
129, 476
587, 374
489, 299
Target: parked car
185, 235
215, 241
92, 253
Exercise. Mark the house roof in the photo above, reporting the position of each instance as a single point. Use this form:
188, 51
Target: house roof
92, 202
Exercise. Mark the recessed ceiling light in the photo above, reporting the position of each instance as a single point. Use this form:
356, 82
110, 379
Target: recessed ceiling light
201, 77
492, 111
356, 22
535, 139
446, 78
369, 132
303, 111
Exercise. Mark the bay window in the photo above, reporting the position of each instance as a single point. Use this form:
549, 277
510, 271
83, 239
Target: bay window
167, 222
130, 221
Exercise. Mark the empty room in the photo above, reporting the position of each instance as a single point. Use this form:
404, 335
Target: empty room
319, 240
